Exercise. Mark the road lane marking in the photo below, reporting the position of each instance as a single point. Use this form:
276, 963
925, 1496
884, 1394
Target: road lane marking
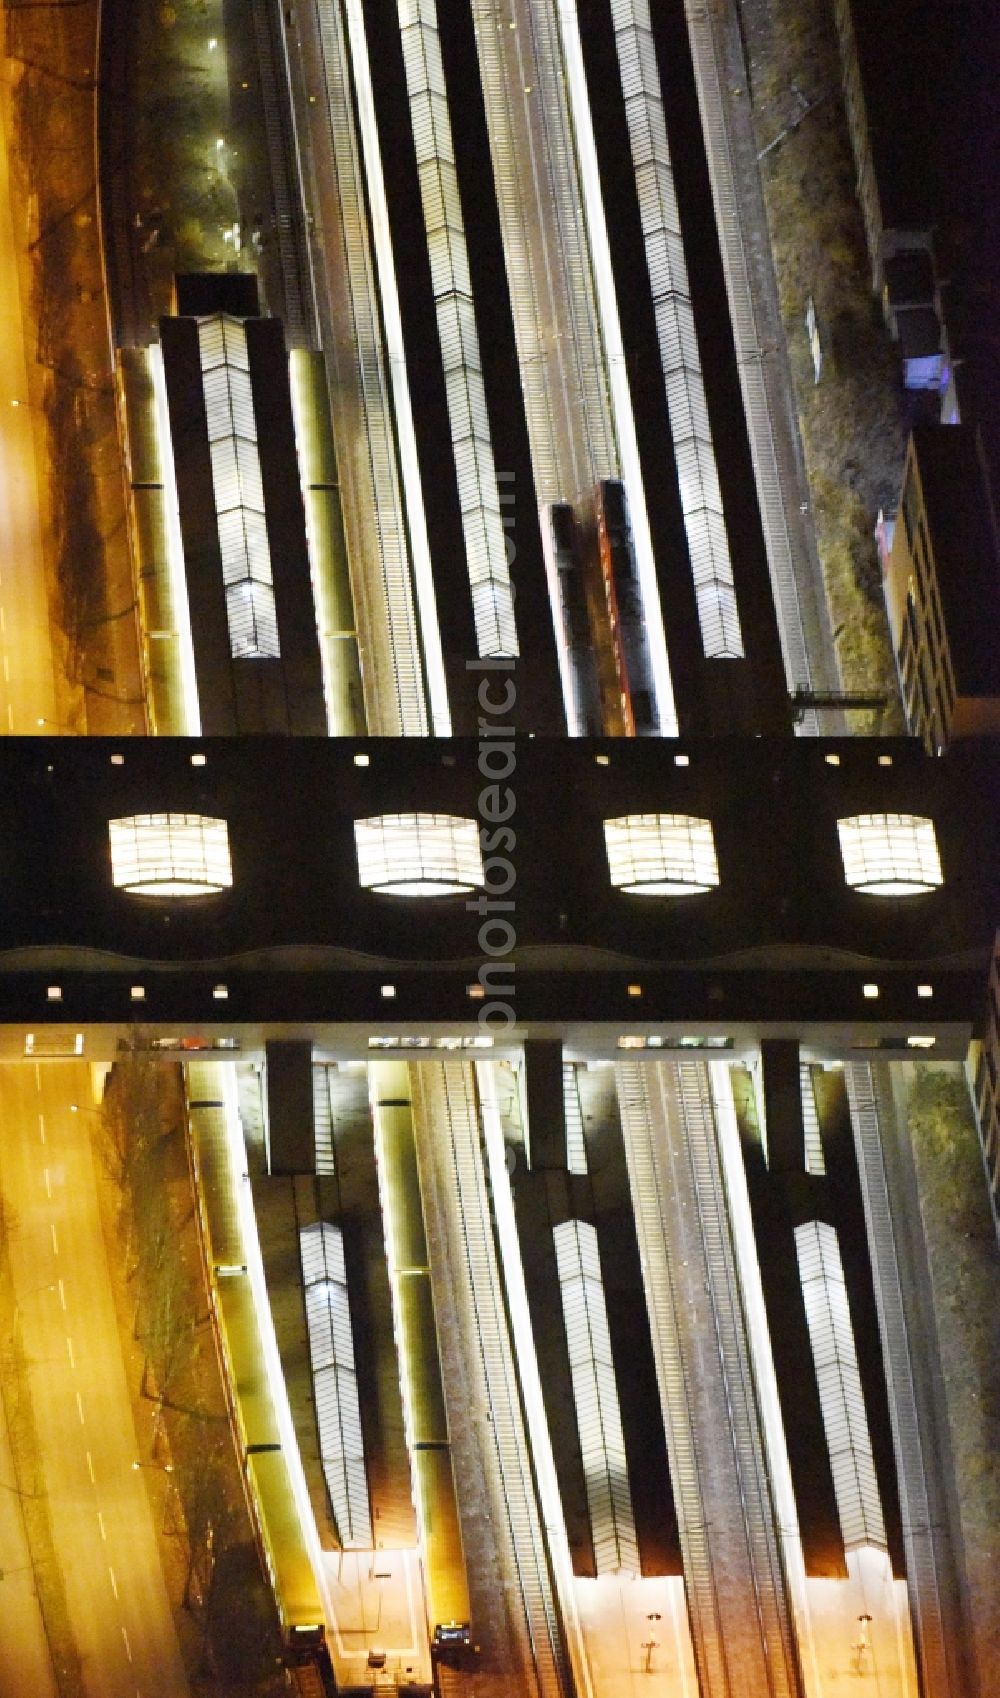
62, 1294
114, 1583
6, 669
48, 1184
38, 1079
90, 1469
79, 1409
72, 1358
3, 620
100, 1523
128, 1648
55, 1241
10, 717
41, 1127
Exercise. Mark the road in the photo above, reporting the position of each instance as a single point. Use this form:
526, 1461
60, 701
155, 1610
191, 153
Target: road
27, 662
102, 1520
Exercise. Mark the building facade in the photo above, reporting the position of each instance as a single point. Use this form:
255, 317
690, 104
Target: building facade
555, 1011
942, 588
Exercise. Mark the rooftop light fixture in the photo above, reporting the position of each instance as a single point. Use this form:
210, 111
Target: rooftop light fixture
661, 854
170, 855
890, 854
419, 854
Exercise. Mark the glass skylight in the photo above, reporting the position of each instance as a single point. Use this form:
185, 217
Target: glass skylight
838, 1380
595, 1397
661, 854
239, 496
419, 854
170, 854
335, 1382
890, 854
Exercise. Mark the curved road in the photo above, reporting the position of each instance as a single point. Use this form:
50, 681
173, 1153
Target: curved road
102, 1521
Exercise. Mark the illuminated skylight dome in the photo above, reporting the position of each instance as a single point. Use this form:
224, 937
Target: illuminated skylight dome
239, 496
890, 854
170, 854
661, 854
419, 854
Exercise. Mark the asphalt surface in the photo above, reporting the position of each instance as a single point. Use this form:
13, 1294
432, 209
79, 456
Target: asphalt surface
100, 1504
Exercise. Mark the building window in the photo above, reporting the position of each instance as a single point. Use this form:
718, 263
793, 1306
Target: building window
661, 854
170, 855
419, 854
890, 854
239, 497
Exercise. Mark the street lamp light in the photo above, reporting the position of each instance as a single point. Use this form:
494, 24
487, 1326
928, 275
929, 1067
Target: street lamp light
863, 1644
650, 1645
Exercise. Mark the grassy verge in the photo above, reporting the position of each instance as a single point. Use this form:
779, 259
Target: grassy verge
31, 1488
227, 1620
964, 1265
852, 421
